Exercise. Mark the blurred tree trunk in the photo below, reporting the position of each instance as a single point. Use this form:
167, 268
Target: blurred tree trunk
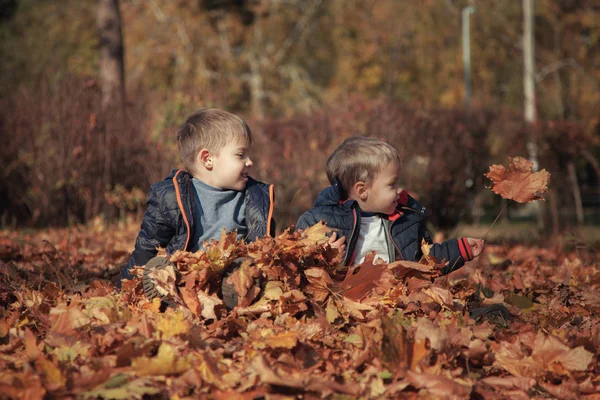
529, 94
112, 78
576, 192
255, 82
571, 170
112, 75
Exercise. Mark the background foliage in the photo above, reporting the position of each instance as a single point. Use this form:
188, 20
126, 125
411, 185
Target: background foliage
305, 74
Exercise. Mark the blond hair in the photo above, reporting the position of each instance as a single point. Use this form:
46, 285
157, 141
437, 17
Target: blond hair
360, 159
210, 129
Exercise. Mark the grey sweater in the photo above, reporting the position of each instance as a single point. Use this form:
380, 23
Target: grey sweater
217, 209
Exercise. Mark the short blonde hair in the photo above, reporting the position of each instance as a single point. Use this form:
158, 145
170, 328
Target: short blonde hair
358, 159
210, 129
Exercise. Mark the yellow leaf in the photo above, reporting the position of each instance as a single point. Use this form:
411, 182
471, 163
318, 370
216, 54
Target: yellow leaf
173, 324
104, 309
209, 370
166, 362
135, 389
208, 302
356, 340
70, 353
316, 234
153, 305
441, 296
331, 312
24, 322
425, 248
52, 376
285, 340
354, 308
273, 290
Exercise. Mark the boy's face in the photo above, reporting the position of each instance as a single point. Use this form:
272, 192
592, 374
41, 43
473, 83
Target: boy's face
383, 192
231, 166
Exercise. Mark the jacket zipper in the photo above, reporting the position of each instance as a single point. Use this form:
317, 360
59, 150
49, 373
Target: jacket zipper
350, 247
394, 242
182, 208
390, 231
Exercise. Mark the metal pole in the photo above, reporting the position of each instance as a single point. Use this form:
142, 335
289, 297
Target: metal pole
529, 62
466, 46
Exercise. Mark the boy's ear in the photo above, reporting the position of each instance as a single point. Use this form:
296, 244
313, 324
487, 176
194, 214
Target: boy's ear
205, 158
360, 190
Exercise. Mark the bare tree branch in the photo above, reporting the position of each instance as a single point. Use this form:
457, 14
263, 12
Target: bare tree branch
289, 41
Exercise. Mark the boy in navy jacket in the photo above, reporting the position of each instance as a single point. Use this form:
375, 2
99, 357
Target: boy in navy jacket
366, 206
215, 192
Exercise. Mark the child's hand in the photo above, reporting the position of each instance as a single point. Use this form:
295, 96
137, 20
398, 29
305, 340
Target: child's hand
339, 244
477, 246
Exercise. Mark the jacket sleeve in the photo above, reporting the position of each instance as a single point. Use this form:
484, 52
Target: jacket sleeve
455, 251
306, 220
155, 231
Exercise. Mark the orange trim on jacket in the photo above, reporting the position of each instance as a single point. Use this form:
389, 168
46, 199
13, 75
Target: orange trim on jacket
183, 214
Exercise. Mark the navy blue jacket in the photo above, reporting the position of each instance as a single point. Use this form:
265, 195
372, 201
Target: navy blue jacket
169, 220
405, 229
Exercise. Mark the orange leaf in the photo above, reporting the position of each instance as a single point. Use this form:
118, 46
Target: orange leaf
518, 182
65, 318
419, 352
190, 298
361, 279
439, 386
243, 277
548, 349
31, 348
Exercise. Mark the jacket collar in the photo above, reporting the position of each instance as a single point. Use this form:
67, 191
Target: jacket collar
405, 201
185, 176
332, 196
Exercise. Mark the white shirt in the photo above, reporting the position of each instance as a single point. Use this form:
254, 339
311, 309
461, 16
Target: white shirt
372, 237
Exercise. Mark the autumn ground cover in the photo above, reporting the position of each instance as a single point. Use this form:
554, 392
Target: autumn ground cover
519, 322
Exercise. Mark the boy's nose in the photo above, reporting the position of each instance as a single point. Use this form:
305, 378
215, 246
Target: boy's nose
249, 162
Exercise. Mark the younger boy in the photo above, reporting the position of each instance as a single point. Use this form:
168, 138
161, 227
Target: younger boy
366, 205
215, 192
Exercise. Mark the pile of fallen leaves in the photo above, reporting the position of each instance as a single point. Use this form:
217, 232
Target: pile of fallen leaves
515, 323
522, 322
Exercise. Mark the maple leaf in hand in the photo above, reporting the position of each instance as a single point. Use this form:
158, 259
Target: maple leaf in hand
315, 235
518, 182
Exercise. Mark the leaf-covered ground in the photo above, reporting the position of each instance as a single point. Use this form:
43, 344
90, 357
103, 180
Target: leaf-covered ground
516, 323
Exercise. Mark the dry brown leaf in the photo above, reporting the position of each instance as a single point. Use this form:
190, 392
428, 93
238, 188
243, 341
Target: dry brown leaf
361, 279
209, 303
518, 182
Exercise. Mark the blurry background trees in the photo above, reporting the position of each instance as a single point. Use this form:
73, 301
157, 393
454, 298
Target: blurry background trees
305, 73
